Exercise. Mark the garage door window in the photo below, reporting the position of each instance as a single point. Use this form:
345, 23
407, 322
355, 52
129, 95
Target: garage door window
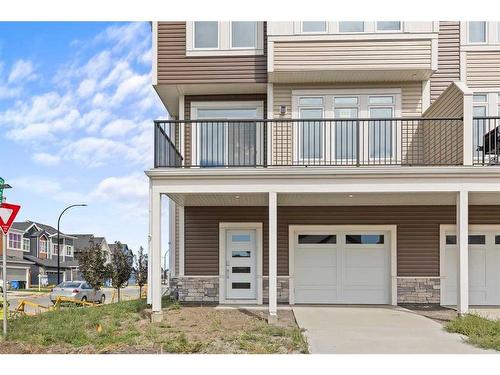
497, 240
475, 239
364, 239
317, 239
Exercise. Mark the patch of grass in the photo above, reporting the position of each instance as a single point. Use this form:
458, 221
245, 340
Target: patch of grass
180, 344
99, 327
481, 332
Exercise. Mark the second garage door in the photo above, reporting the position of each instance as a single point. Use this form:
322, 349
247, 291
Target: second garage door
344, 266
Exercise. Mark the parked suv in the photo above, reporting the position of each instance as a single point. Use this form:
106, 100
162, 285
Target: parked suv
78, 290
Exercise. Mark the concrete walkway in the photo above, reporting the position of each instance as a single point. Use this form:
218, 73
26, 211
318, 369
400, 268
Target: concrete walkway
377, 330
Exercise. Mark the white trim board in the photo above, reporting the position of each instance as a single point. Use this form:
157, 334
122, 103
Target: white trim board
223, 226
392, 229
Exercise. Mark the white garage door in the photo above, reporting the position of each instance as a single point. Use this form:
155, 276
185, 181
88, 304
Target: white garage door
484, 267
342, 267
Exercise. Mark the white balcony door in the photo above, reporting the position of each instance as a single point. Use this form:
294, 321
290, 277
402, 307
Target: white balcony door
223, 142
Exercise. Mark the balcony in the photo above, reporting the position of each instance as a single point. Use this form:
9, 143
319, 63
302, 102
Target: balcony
486, 140
314, 143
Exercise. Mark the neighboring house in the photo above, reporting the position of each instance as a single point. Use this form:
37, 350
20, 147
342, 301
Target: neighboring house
85, 241
38, 245
328, 162
17, 267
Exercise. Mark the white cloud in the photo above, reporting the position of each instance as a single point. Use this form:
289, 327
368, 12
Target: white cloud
128, 188
22, 70
118, 128
47, 187
86, 88
46, 159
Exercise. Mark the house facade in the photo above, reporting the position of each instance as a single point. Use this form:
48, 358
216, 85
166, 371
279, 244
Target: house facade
36, 245
328, 162
18, 268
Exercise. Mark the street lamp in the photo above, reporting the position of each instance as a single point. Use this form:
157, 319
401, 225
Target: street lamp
59, 240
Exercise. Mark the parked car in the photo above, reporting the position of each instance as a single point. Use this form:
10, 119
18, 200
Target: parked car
79, 290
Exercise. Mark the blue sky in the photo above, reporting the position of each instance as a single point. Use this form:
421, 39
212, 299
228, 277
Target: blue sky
76, 111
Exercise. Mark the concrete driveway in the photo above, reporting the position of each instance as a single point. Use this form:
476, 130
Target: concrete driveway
377, 330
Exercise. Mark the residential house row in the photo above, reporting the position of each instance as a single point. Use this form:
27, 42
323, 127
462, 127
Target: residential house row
327, 162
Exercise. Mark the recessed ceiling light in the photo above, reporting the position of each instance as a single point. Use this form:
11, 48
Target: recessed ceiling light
350, 195
237, 196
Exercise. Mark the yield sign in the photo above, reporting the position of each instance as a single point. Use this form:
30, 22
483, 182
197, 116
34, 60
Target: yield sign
8, 213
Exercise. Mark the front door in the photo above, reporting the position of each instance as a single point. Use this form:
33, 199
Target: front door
241, 264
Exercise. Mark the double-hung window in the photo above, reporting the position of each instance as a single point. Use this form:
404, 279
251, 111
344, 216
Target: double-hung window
26, 244
15, 241
214, 38
311, 129
43, 246
227, 134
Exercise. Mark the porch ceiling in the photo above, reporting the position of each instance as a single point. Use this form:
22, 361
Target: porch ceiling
331, 199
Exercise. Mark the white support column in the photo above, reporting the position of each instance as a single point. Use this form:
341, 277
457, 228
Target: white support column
181, 241
156, 255
273, 256
148, 298
463, 250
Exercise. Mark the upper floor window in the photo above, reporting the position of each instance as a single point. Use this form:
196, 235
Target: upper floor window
43, 246
314, 27
477, 32
69, 251
351, 27
388, 26
26, 244
218, 38
244, 34
206, 34
15, 241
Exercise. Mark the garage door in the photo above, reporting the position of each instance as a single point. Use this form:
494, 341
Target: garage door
342, 267
484, 267
15, 274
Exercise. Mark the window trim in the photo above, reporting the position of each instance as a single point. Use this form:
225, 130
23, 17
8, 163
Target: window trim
224, 42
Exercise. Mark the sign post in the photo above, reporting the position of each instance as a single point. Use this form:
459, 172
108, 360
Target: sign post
8, 213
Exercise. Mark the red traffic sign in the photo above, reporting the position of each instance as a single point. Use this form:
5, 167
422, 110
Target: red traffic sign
8, 213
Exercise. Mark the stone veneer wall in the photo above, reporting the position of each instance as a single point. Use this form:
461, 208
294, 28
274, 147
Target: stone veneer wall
206, 289
196, 289
419, 290
283, 290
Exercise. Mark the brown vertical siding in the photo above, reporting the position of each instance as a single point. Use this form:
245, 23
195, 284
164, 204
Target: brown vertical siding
448, 58
418, 231
174, 67
188, 99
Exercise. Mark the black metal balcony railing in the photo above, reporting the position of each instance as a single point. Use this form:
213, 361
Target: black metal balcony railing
486, 140
309, 142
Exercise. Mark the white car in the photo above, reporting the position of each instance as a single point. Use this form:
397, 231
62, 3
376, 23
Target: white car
1, 286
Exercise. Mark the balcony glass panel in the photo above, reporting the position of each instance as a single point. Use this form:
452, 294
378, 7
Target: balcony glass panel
311, 133
381, 133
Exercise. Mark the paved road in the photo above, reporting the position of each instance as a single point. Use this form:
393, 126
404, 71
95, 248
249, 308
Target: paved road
376, 330
131, 292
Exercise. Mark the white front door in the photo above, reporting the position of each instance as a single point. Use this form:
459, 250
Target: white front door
241, 264
348, 266
484, 267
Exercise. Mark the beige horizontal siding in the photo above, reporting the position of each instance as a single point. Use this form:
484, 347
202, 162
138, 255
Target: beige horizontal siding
174, 67
417, 230
443, 140
448, 58
483, 68
349, 55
